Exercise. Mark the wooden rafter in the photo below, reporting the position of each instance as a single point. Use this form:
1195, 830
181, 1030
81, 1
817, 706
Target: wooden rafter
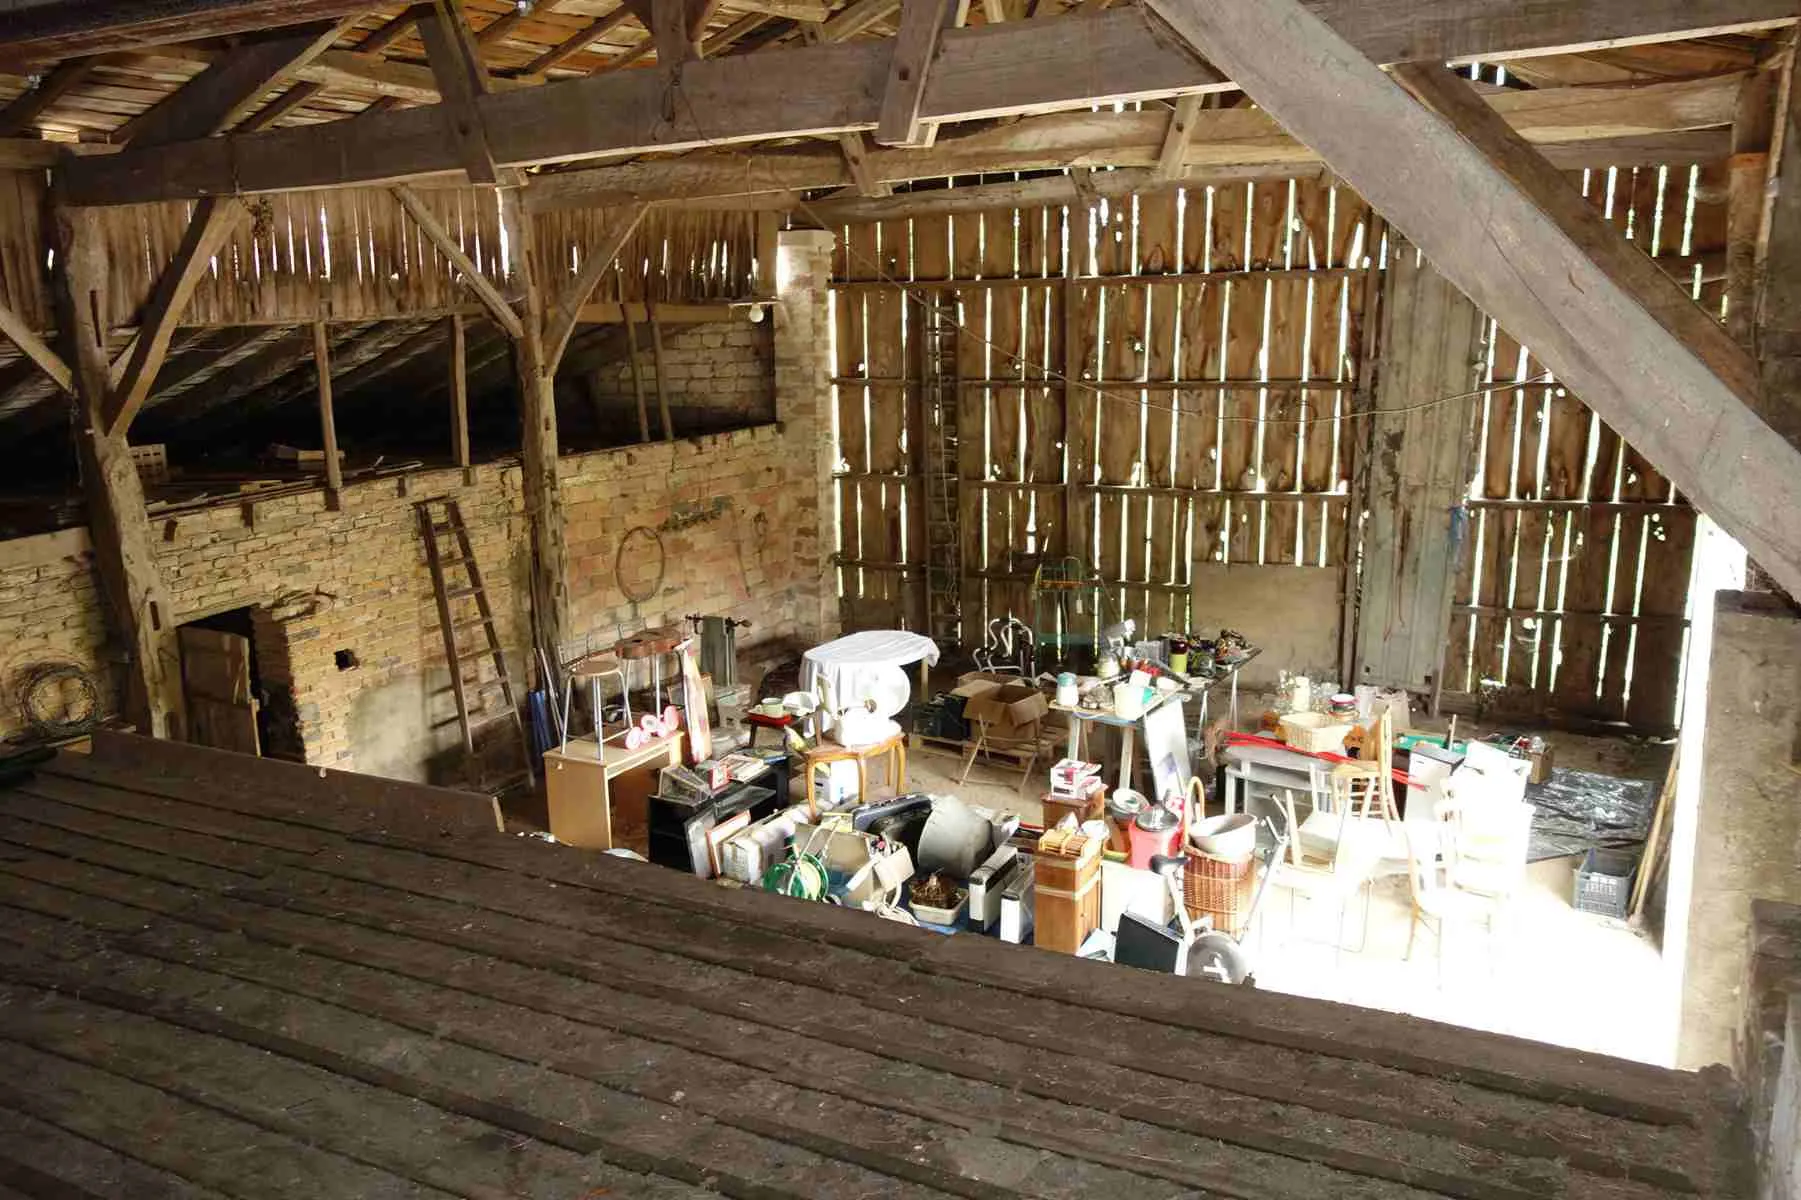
462, 80
22, 113
33, 347
214, 220
393, 29
49, 33
229, 87
1516, 237
579, 41
266, 116
1023, 67
922, 23
560, 321
485, 291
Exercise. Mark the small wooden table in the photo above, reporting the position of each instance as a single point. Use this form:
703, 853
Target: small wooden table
827, 751
599, 796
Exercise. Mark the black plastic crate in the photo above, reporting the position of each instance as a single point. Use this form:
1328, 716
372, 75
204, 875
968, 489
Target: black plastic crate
1604, 882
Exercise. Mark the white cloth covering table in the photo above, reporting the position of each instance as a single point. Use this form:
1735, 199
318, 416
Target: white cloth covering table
866, 664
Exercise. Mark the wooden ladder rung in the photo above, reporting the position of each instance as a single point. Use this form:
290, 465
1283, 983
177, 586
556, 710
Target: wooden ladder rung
471, 624
459, 593
484, 652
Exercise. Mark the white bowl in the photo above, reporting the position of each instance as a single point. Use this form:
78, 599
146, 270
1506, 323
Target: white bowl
1232, 837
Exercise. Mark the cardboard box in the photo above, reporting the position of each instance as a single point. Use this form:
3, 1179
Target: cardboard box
1009, 709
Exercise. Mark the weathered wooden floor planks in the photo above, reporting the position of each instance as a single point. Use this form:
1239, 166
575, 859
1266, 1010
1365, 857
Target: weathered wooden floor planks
220, 979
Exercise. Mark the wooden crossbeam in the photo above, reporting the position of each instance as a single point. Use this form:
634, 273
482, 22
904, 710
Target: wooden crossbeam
747, 24
1516, 237
560, 322
22, 335
228, 88
459, 395
923, 22
214, 220
1219, 140
1022, 67
485, 291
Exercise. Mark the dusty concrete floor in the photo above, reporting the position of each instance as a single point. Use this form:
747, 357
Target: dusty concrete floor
1551, 973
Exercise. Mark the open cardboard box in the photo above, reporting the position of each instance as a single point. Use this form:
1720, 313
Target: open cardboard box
1010, 708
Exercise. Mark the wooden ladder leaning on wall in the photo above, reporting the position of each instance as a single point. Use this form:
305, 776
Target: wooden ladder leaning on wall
439, 516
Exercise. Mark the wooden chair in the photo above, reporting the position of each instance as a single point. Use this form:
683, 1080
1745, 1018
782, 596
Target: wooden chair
1339, 871
1465, 867
1371, 781
827, 751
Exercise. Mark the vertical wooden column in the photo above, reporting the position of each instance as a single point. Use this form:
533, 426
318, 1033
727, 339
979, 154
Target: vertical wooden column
328, 421
124, 547
1773, 309
459, 397
538, 443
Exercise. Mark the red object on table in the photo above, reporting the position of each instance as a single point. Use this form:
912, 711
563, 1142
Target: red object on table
1253, 739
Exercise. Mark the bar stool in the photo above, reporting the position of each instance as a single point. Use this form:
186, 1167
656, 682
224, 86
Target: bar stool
593, 668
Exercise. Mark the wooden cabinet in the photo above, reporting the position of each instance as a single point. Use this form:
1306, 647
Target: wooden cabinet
600, 801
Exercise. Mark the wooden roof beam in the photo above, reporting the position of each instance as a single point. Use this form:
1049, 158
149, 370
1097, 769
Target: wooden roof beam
923, 22
1229, 140
24, 110
579, 41
1519, 239
1020, 67
49, 33
229, 87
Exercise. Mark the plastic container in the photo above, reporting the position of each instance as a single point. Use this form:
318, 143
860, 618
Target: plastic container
1153, 833
939, 916
1604, 883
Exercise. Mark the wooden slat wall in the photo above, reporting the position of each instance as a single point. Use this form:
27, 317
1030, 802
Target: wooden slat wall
1159, 299
353, 254
1573, 589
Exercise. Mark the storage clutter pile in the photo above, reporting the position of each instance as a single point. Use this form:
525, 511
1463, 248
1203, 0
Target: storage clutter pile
1125, 864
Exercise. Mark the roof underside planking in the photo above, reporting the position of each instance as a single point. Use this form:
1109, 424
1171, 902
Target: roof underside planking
1645, 83
359, 988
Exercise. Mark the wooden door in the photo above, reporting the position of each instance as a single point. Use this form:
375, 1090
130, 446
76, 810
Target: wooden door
215, 672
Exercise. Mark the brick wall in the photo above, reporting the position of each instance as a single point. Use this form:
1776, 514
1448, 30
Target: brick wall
725, 508
717, 376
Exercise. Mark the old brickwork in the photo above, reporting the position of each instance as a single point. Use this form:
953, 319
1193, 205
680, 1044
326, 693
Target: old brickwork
733, 522
716, 376
724, 508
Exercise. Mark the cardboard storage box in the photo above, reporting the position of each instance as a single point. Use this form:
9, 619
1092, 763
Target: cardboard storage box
1009, 709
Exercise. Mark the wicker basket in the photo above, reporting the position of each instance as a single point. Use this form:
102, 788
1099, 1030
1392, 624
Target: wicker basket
1222, 890
1314, 732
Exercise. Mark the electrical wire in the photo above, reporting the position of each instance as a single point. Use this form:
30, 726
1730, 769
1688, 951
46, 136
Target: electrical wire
1050, 374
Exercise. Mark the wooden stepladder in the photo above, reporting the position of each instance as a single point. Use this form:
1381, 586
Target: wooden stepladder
439, 518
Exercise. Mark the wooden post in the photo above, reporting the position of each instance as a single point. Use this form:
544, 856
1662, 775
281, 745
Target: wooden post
656, 355
459, 397
1749, 172
631, 353
124, 547
328, 424
538, 419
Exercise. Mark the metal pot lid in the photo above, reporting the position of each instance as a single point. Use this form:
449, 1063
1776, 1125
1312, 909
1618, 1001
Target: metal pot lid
1156, 819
